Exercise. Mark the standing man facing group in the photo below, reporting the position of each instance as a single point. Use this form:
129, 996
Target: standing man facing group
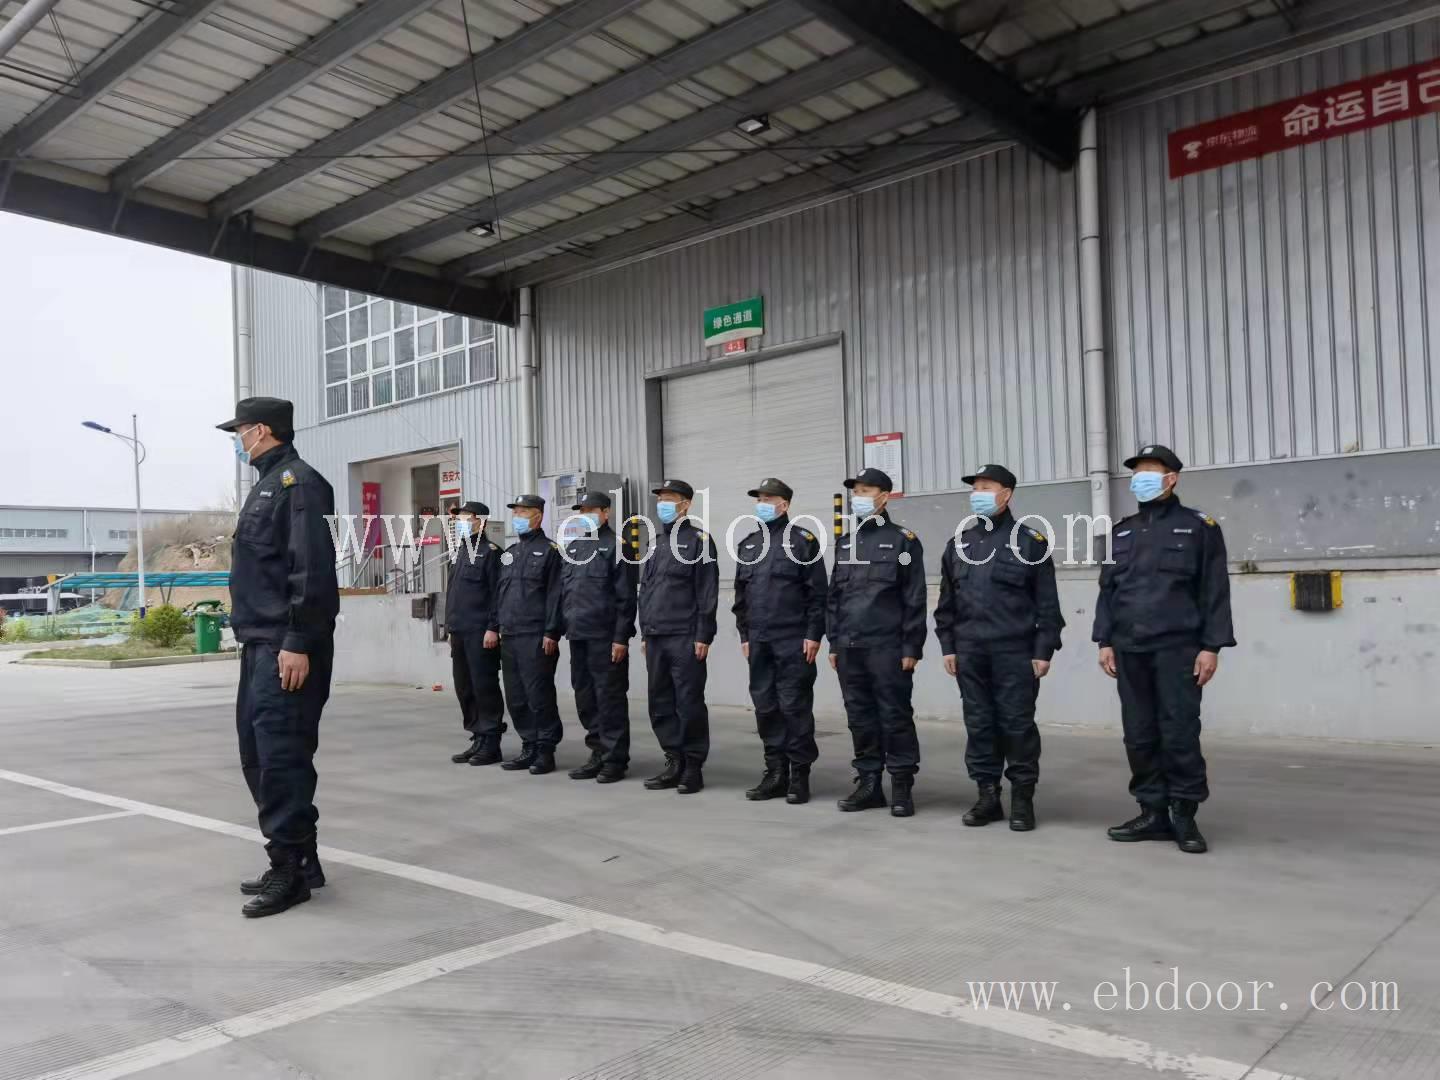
780, 592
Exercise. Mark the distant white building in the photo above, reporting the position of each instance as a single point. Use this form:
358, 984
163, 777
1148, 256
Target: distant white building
39, 540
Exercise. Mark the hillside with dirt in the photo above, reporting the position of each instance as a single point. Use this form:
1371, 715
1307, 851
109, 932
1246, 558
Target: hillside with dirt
197, 543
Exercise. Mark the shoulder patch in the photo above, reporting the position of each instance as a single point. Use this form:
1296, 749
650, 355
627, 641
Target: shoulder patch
287, 479
1206, 518
703, 534
1036, 534
908, 534
555, 545
808, 536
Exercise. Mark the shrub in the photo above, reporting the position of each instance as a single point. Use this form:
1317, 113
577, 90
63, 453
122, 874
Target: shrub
16, 630
164, 626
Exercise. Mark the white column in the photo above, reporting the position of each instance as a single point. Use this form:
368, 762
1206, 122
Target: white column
529, 396
242, 286
1092, 310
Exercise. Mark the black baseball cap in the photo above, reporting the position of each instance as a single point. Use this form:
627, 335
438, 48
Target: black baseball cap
998, 473
772, 486
526, 502
479, 509
1156, 452
592, 500
677, 487
873, 477
275, 413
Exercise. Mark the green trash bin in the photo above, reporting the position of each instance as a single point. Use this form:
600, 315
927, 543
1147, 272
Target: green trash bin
207, 626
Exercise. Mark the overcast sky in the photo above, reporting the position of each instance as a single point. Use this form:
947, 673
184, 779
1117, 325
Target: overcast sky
95, 328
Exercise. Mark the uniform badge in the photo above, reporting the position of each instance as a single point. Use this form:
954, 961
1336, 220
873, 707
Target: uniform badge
287, 479
1038, 535
908, 534
807, 536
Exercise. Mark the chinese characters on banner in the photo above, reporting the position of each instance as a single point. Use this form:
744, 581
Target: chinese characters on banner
1324, 114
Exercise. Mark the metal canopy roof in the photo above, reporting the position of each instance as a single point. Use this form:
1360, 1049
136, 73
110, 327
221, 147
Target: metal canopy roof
445, 151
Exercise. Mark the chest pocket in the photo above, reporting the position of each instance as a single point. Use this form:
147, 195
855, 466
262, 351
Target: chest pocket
1008, 575
1122, 548
533, 567
1177, 557
883, 567
256, 527
599, 566
679, 563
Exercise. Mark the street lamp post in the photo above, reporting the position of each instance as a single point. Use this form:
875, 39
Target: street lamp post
138, 449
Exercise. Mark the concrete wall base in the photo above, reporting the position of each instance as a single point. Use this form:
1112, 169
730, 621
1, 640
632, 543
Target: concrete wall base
1367, 672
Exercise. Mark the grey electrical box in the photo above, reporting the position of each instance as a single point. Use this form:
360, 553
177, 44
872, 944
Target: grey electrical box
560, 491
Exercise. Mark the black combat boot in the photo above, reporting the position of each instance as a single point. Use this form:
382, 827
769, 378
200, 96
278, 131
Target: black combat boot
526, 758
591, 769
487, 751
314, 874
284, 887
465, 755
869, 794
799, 792
668, 777
544, 761
1187, 833
692, 780
902, 801
773, 784
987, 807
1153, 823
610, 774
1022, 807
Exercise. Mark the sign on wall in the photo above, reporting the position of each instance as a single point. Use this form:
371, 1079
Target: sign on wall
370, 507
1314, 117
887, 453
735, 322
449, 481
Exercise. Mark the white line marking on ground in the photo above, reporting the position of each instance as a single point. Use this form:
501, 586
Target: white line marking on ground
1032, 1027
68, 821
210, 1036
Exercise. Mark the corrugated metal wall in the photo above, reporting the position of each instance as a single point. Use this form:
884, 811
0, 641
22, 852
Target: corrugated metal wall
1280, 308
955, 292
484, 419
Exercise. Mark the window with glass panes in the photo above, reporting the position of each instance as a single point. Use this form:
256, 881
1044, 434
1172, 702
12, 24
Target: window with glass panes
380, 352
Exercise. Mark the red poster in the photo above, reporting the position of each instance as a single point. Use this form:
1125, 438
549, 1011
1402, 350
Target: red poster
1324, 114
370, 507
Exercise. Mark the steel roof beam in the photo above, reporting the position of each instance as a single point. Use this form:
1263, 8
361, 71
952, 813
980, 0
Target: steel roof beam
331, 47
87, 208
133, 49
858, 128
685, 60
818, 78
942, 61
500, 61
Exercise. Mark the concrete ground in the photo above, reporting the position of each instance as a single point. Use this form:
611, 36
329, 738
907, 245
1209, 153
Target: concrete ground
488, 924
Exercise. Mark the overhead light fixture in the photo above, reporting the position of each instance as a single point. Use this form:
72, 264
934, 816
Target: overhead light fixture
754, 125
485, 228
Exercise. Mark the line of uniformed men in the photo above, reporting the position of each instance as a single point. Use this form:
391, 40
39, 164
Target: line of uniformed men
1161, 619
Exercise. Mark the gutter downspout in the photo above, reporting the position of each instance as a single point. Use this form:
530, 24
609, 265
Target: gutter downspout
529, 398
1092, 311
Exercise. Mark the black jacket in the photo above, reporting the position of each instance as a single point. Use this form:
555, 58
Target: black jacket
680, 585
780, 590
282, 565
528, 601
1003, 599
471, 594
1168, 584
597, 586
877, 598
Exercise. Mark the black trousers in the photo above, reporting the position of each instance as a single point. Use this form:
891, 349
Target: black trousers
877, 706
1160, 713
477, 684
530, 689
279, 731
600, 687
999, 691
678, 714
782, 686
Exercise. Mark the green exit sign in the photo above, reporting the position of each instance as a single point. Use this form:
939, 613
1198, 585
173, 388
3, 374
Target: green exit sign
735, 322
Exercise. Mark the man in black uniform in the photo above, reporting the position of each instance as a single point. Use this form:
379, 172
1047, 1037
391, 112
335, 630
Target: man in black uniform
875, 620
284, 600
474, 650
598, 607
780, 591
527, 618
999, 624
1161, 620
679, 594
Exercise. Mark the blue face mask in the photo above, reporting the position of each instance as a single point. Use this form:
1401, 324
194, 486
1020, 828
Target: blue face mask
766, 512
983, 503
521, 525
241, 454
464, 527
589, 522
1147, 486
862, 505
668, 511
